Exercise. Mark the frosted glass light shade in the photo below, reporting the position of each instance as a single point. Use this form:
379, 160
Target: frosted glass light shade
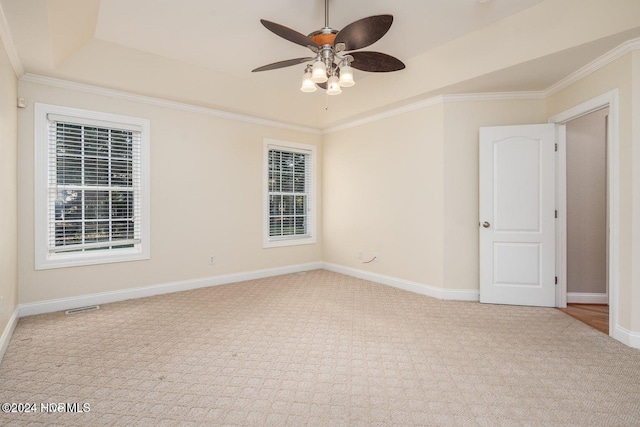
346, 76
333, 87
319, 72
307, 84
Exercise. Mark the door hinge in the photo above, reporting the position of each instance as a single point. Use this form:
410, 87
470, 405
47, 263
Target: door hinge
556, 146
556, 213
556, 280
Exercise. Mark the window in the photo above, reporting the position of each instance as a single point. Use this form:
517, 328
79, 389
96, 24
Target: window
289, 207
92, 189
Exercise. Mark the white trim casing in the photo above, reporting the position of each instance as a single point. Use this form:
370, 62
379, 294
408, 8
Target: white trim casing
561, 221
312, 215
43, 259
609, 99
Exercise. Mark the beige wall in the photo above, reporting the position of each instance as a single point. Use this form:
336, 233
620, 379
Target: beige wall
406, 187
384, 195
616, 75
587, 203
8, 191
206, 199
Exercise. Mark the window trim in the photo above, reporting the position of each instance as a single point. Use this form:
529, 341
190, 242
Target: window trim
311, 236
43, 258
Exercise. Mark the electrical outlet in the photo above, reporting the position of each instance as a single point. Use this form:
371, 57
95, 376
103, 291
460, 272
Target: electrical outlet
212, 260
359, 254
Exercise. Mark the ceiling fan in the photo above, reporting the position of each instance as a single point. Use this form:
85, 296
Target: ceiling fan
332, 66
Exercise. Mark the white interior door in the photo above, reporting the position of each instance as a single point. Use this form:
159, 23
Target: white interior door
517, 215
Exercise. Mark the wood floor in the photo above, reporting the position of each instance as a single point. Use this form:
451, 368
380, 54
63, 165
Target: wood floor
594, 315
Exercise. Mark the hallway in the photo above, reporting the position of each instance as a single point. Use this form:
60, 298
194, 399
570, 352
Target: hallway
594, 315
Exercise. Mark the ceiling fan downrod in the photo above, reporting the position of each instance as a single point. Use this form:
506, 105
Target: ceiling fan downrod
326, 13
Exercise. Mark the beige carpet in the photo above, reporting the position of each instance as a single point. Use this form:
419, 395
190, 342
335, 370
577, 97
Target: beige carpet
318, 349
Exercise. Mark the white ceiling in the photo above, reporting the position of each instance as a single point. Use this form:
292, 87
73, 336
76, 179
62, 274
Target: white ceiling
227, 36
145, 46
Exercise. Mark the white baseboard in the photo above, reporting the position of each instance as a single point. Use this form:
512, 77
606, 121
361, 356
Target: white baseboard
629, 338
419, 288
586, 298
52, 306
8, 332
626, 337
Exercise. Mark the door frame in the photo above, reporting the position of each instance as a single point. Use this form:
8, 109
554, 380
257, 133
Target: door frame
609, 99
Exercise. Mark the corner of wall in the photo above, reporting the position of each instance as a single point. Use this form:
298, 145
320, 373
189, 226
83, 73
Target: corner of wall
9, 196
635, 135
5, 337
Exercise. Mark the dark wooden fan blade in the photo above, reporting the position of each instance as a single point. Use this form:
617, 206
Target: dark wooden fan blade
289, 34
282, 64
322, 85
364, 32
375, 62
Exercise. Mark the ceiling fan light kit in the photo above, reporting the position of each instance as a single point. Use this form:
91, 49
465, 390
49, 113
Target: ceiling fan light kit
319, 72
333, 86
308, 85
346, 76
332, 67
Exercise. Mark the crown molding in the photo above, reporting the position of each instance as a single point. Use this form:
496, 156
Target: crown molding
437, 100
604, 60
593, 66
158, 102
384, 115
9, 46
494, 96
598, 63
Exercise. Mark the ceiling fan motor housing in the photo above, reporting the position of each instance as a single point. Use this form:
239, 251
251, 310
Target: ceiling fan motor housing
325, 36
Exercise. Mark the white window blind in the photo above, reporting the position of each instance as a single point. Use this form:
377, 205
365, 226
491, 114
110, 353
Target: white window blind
289, 192
94, 185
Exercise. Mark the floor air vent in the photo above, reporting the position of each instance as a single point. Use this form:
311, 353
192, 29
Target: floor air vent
82, 309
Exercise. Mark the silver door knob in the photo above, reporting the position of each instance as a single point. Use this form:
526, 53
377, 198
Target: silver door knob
486, 224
